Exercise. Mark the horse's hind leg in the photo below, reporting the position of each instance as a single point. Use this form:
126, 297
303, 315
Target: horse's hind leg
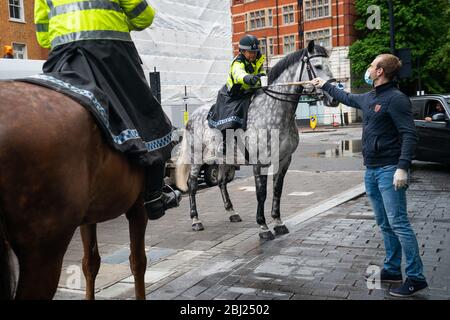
222, 182
278, 180
197, 225
261, 195
137, 219
40, 267
91, 258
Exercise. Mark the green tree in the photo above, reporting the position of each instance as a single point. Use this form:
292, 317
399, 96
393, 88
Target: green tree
421, 25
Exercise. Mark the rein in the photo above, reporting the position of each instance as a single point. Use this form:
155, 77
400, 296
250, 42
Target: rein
311, 75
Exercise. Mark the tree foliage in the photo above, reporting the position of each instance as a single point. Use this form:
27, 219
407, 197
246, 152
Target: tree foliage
421, 25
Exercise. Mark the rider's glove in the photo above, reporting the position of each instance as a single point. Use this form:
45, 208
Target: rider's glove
251, 79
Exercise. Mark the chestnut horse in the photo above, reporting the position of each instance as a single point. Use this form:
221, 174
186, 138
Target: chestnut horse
57, 173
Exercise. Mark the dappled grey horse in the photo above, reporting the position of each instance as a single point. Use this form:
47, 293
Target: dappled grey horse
271, 130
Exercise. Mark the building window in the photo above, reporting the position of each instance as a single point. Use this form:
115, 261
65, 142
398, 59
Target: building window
263, 46
267, 50
288, 14
320, 37
16, 10
271, 51
20, 51
259, 19
288, 44
316, 9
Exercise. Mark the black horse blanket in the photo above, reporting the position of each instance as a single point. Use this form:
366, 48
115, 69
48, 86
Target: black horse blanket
230, 110
106, 77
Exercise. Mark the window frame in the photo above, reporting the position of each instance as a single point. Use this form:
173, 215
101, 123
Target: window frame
271, 46
288, 14
267, 19
25, 51
284, 42
21, 11
330, 37
263, 44
312, 6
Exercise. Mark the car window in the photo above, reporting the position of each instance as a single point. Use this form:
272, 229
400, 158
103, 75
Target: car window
431, 107
417, 109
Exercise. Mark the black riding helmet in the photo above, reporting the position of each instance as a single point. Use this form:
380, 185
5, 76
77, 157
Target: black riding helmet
249, 43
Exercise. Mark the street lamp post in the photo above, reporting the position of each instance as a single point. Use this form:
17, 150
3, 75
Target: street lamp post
391, 26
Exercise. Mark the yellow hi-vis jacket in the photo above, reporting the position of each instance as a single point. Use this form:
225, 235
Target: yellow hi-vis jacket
63, 21
240, 67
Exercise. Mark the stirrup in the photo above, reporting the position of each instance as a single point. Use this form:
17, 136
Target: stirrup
174, 193
153, 200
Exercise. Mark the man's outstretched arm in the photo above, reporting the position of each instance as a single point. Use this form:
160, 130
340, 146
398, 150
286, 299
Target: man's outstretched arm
349, 99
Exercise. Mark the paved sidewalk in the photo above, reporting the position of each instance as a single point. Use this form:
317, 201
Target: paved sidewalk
323, 257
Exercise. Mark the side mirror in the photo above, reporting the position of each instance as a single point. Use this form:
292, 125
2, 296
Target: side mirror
438, 117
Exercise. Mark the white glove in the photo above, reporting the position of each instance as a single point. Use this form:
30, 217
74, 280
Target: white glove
400, 178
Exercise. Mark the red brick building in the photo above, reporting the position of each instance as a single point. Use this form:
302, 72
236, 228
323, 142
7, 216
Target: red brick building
17, 29
284, 26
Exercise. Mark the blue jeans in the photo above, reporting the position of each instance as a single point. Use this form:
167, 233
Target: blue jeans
389, 207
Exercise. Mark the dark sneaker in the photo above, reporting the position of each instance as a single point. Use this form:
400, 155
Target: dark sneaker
384, 276
157, 206
409, 288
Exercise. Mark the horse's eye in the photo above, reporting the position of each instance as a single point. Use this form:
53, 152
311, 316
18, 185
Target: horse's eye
319, 67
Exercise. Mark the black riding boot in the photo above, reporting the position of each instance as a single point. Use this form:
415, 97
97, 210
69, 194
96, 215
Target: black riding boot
156, 202
222, 148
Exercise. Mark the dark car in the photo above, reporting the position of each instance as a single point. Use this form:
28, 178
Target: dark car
433, 127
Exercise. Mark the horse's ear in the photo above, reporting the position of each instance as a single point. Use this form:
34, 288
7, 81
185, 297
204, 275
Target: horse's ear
311, 46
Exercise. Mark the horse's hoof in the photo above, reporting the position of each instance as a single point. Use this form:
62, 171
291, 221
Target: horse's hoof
266, 235
279, 230
235, 218
197, 226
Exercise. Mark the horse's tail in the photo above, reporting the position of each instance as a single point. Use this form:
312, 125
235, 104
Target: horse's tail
183, 166
6, 270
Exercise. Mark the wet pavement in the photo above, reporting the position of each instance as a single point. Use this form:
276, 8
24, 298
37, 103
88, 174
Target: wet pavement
333, 239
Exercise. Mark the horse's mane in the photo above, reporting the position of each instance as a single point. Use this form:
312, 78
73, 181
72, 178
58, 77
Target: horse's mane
291, 59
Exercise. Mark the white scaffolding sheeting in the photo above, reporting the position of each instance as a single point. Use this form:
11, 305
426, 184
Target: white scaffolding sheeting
189, 43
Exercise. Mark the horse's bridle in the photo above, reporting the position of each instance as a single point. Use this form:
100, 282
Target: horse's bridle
311, 75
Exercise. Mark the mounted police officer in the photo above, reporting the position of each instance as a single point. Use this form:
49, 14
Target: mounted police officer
233, 100
94, 60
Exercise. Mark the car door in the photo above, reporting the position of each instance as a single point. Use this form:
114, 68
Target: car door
418, 110
434, 137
